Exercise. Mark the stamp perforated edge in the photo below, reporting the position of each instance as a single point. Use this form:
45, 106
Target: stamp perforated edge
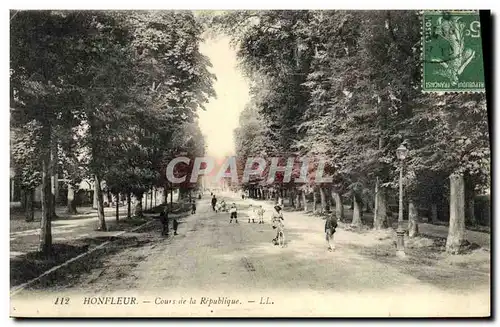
422, 31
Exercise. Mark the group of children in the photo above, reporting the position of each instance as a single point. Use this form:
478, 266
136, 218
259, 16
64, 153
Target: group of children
256, 213
218, 206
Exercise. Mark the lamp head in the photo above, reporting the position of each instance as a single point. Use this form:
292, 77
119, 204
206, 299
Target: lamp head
402, 152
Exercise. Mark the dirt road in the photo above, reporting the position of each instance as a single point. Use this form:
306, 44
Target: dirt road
234, 270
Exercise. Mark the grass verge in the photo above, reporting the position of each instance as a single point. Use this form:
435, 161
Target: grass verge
32, 264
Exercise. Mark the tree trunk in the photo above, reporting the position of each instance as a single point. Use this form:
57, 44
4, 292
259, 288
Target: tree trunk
95, 199
434, 213
291, 198
356, 214
154, 191
100, 204
376, 224
471, 215
322, 199
339, 207
53, 178
109, 198
367, 208
297, 199
304, 200
71, 201
29, 210
45, 225
314, 200
329, 200
23, 198
129, 200
412, 219
380, 212
171, 198
117, 207
146, 200
456, 231
165, 195
138, 206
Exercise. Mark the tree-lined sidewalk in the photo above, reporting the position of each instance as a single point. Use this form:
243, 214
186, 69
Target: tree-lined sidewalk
424, 252
344, 87
72, 238
25, 241
106, 96
481, 239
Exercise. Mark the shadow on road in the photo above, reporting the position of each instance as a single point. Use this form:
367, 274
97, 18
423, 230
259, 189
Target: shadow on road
33, 264
426, 261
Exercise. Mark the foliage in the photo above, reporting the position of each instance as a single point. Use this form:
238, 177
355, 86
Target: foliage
344, 85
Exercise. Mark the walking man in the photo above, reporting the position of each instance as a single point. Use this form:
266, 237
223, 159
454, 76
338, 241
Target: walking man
164, 222
214, 202
330, 227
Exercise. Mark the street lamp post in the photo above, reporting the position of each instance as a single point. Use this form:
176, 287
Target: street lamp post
401, 153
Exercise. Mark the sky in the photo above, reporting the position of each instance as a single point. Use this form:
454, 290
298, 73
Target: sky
221, 116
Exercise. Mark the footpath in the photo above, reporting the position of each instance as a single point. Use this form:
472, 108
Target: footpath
425, 253
26, 238
425, 229
70, 238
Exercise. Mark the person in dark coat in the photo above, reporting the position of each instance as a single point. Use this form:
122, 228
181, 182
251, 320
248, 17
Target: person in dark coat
175, 224
164, 222
214, 202
330, 228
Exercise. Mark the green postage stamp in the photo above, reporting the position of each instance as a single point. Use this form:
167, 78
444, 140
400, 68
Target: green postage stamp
452, 52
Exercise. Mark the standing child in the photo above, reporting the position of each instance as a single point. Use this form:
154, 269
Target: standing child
330, 227
260, 213
175, 224
193, 207
251, 214
233, 213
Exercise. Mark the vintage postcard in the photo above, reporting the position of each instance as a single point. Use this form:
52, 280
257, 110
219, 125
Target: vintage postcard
263, 163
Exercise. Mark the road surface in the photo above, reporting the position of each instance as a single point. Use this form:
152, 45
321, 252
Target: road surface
237, 267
